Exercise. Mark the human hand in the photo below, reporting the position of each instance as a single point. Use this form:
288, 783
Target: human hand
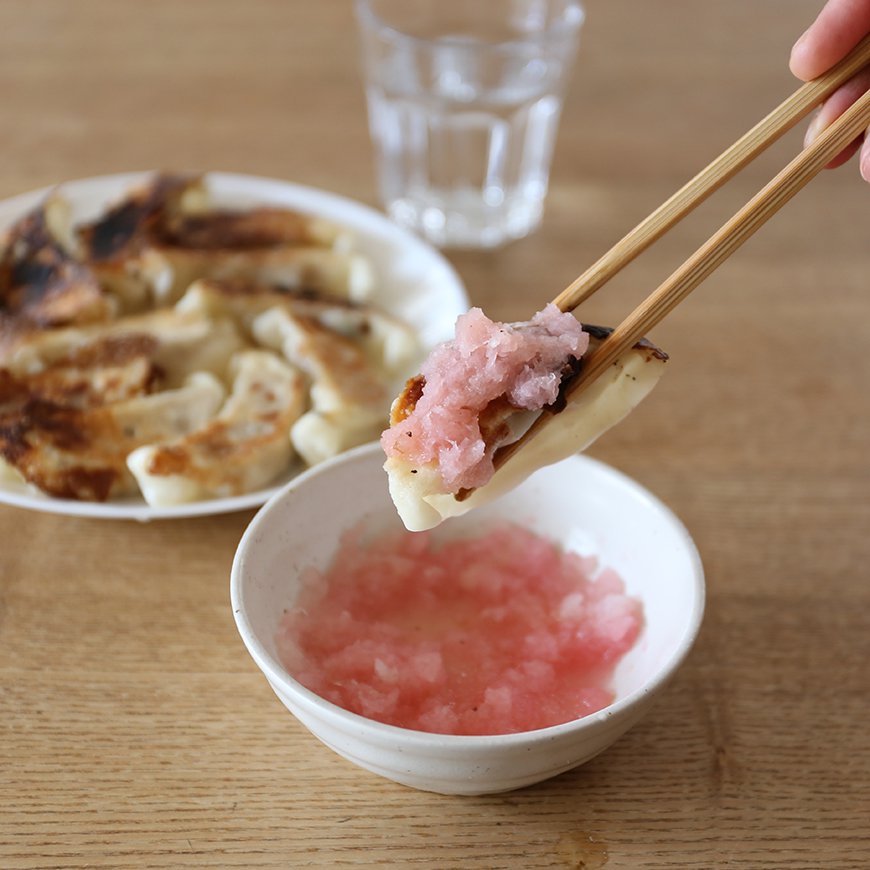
839, 27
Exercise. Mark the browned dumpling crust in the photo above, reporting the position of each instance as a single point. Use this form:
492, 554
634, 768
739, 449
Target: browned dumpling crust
182, 350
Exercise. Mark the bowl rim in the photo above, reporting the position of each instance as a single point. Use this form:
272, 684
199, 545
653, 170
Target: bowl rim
277, 675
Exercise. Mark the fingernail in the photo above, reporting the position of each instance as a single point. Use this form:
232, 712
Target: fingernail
813, 129
864, 165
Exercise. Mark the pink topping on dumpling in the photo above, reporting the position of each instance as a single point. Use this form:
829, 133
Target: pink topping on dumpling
485, 361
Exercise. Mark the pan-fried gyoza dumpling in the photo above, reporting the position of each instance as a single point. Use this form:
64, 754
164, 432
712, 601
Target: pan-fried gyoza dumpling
105, 370
389, 342
168, 233
349, 399
532, 364
344, 274
179, 343
81, 453
245, 447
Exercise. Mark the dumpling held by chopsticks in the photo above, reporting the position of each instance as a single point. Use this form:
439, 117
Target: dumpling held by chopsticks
482, 391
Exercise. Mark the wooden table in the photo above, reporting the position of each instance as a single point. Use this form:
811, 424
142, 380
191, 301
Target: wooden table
135, 731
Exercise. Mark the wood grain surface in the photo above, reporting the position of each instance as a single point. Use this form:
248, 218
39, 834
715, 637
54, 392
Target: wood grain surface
135, 731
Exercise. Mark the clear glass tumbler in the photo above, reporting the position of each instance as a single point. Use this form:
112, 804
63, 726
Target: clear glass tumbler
464, 98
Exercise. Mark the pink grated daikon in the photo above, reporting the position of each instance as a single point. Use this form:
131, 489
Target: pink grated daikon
494, 634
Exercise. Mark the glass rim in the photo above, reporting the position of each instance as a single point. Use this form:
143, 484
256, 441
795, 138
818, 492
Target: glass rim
367, 16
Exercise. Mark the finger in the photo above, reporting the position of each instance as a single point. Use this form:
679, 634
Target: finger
840, 26
833, 107
846, 155
864, 159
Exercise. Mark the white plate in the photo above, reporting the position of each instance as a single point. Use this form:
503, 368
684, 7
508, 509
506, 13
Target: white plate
413, 280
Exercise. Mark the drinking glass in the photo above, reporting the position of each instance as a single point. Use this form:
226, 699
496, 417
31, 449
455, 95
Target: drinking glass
464, 98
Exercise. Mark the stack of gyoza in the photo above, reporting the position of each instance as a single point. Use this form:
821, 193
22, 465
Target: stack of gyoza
185, 351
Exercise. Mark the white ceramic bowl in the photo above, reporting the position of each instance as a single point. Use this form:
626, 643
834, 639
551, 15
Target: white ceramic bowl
582, 503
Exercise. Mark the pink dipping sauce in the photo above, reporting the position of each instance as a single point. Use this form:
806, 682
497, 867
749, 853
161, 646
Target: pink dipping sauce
494, 634
485, 361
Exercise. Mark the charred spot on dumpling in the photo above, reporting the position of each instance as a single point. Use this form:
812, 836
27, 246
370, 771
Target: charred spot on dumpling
59, 425
80, 483
238, 230
113, 234
407, 400
127, 225
41, 284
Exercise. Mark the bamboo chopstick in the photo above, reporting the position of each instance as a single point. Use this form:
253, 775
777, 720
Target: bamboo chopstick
711, 254
713, 176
